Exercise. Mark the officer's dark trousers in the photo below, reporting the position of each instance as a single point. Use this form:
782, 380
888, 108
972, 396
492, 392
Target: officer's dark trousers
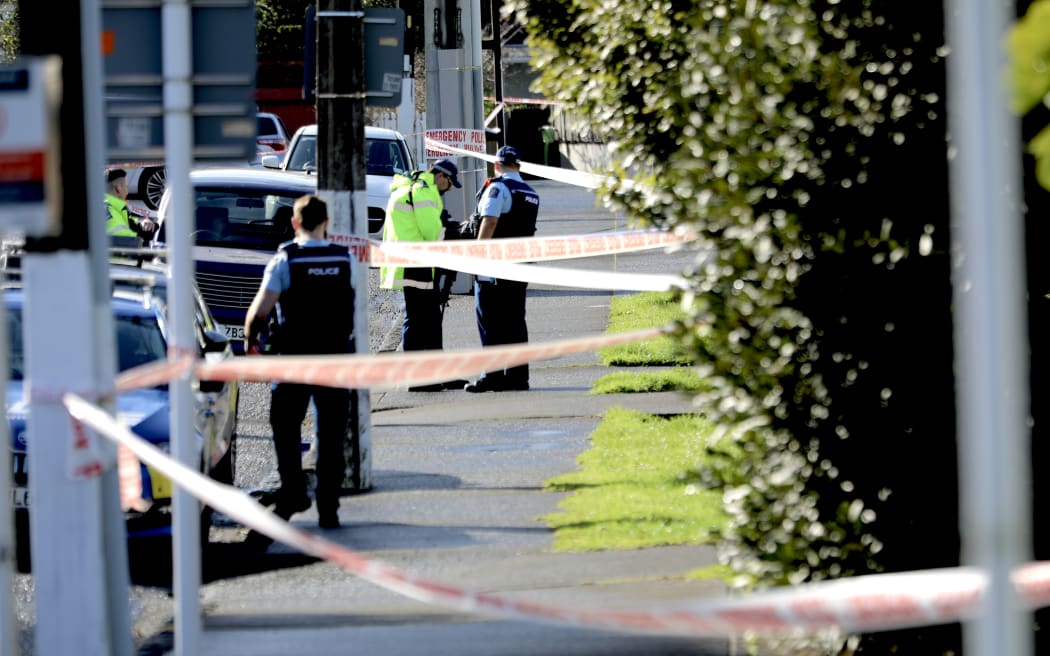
500, 310
421, 328
288, 406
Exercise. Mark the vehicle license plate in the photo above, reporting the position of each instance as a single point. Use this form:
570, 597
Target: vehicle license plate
161, 485
20, 497
233, 332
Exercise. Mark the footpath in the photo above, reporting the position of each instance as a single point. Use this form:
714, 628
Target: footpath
457, 496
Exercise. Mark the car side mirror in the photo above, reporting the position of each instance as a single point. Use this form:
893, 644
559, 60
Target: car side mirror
271, 161
215, 342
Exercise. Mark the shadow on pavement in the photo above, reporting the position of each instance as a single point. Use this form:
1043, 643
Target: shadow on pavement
150, 562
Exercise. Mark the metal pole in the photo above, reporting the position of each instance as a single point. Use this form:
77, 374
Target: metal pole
989, 323
341, 183
497, 67
79, 562
177, 49
8, 627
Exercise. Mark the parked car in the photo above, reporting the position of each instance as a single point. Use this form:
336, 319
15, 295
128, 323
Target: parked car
270, 131
139, 314
242, 216
386, 154
147, 180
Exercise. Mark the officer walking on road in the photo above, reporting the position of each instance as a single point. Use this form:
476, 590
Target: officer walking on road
507, 207
308, 284
415, 213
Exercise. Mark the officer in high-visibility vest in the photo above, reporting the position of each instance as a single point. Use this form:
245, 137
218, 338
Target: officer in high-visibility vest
414, 213
119, 222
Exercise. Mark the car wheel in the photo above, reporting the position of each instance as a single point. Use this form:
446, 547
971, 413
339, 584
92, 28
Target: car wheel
151, 186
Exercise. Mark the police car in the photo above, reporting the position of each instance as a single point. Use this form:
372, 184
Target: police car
242, 216
139, 312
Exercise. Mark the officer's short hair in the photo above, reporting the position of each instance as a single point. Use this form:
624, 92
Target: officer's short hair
311, 211
113, 175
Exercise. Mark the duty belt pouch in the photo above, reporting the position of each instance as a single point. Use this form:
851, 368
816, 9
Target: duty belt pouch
271, 343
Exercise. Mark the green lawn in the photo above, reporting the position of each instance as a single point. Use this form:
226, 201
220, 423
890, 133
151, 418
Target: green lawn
633, 488
638, 311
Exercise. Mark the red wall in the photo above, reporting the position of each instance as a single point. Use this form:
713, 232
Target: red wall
279, 91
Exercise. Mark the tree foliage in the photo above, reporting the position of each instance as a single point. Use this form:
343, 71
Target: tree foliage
279, 31
804, 140
8, 33
1028, 45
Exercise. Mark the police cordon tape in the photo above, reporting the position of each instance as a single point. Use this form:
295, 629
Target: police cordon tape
556, 276
865, 603
525, 249
371, 371
568, 176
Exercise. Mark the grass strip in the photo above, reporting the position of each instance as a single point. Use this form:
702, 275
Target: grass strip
674, 379
633, 490
639, 311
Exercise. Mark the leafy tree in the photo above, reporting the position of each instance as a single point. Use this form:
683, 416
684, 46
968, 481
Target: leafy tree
8, 32
805, 142
279, 35
1028, 44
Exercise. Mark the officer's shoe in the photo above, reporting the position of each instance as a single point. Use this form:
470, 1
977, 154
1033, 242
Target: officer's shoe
328, 519
485, 385
287, 507
439, 387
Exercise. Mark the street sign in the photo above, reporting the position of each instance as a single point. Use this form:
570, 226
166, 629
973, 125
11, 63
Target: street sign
224, 63
472, 140
29, 91
384, 56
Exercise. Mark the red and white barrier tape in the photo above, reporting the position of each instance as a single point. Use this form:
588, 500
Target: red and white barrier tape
359, 371
568, 176
866, 603
537, 249
556, 276
521, 249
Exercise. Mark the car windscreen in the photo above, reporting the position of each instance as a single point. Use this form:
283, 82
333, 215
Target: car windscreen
382, 156
243, 218
140, 340
15, 352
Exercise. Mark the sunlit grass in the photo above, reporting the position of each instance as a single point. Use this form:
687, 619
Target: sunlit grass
673, 379
636, 312
633, 490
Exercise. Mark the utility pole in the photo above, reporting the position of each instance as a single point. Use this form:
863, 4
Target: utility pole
341, 183
495, 45
79, 550
452, 31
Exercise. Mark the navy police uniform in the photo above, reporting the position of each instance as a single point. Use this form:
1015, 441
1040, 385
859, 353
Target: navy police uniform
314, 316
500, 304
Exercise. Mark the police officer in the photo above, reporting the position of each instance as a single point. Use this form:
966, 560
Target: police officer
415, 212
308, 284
507, 207
119, 222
